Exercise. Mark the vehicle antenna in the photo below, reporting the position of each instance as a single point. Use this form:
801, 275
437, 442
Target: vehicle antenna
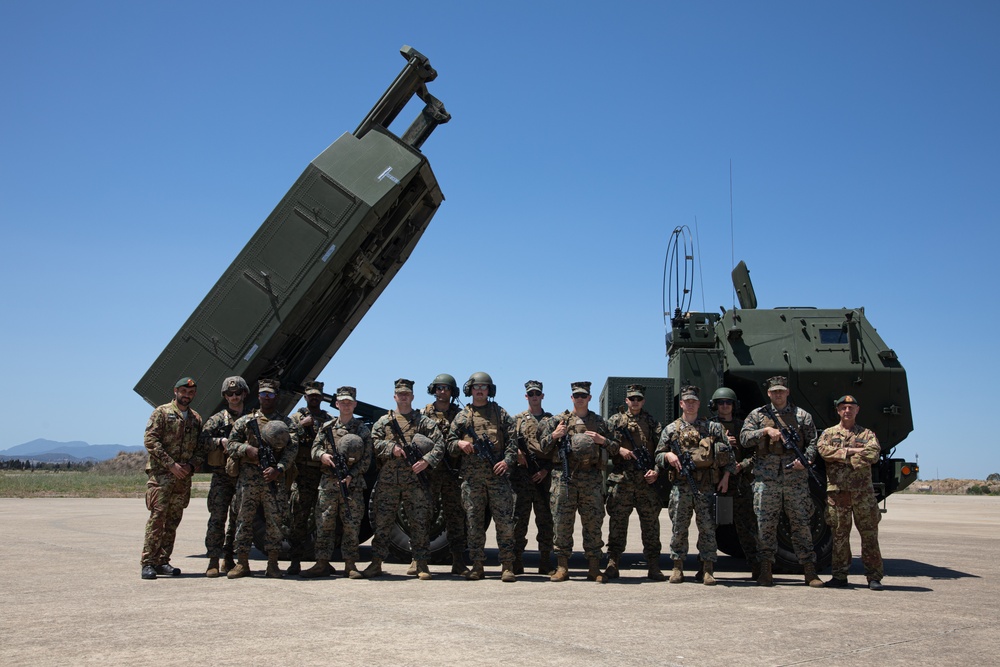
701, 276
732, 232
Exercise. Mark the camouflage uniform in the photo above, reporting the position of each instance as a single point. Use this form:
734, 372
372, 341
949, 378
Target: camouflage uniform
527, 494
741, 490
706, 442
849, 492
219, 538
170, 438
331, 504
305, 488
583, 491
446, 485
253, 490
627, 487
397, 483
776, 488
479, 483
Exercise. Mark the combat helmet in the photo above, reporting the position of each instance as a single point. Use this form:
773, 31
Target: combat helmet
236, 383
444, 378
275, 433
724, 393
479, 378
351, 447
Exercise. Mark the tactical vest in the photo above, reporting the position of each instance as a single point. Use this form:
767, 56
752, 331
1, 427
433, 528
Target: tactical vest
588, 459
488, 428
701, 447
791, 421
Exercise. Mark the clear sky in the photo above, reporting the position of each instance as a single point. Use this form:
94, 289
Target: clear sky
142, 144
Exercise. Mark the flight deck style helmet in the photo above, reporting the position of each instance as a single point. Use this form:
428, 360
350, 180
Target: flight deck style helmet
479, 378
444, 378
724, 393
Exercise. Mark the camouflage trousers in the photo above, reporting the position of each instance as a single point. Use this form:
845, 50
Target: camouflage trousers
480, 489
219, 537
166, 498
447, 488
302, 507
744, 517
776, 490
254, 492
528, 496
841, 506
630, 493
683, 503
386, 499
329, 507
583, 493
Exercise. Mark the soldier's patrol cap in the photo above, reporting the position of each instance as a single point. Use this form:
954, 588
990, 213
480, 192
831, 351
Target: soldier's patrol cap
346, 392
234, 383
779, 382
403, 385
580, 388
635, 390
847, 398
314, 388
185, 382
268, 384
690, 391
533, 385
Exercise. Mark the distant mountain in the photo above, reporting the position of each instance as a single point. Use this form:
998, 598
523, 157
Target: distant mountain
77, 450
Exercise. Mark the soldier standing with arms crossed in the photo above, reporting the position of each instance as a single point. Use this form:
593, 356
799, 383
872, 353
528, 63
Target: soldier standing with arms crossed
400, 481
484, 430
174, 454
850, 450
305, 488
214, 438
445, 483
781, 482
629, 487
530, 480
260, 432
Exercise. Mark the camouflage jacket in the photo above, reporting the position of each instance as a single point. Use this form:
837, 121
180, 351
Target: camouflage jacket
752, 434
397, 470
324, 445
170, 438
575, 424
488, 421
216, 429
307, 434
645, 431
242, 437
742, 455
706, 442
526, 431
444, 420
843, 472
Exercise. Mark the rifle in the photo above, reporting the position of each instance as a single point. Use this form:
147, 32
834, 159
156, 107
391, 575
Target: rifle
340, 470
409, 451
791, 441
643, 461
265, 454
563, 446
687, 465
483, 448
534, 466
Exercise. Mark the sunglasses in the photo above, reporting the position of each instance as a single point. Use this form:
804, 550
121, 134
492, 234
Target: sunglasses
636, 399
534, 393
723, 401
267, 394
480, 387
233, 393
581, 395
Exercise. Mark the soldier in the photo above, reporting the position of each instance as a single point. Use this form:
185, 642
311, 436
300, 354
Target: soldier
781, 482
850, 450
723, 404
483, 436
445, 483
401, 436
174, 454
629, 487
306, 473
530, 480
700, 463
214, 438
344, 448
256, 438
579, 442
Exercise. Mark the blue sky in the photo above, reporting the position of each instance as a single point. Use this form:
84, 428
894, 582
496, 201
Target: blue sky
142, 144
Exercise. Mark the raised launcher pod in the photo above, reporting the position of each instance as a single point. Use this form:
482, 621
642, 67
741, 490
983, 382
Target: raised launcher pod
318, 262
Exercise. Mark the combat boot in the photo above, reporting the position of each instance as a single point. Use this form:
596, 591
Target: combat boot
809, 572
458, 563
518, 566
412, 570
755, 570
227, 563
594, 571
765, 578
700, 574
213, 568
240, 569
545, 563
273, 571
294, 567
374, 568
477, 572
320, 569
507, 572
654, 571
351, 570
677, 576
562, 569
422, 572
611, 571
708, 568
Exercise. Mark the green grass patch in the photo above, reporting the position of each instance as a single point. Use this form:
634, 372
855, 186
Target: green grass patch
83, 484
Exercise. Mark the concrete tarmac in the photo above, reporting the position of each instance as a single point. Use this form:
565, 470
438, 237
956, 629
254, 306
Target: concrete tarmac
71, 595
